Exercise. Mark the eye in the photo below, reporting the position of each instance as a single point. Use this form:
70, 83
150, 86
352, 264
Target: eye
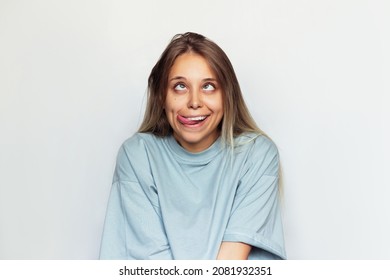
208, 87
180, 87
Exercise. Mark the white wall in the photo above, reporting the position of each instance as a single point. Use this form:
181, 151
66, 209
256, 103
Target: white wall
73, 74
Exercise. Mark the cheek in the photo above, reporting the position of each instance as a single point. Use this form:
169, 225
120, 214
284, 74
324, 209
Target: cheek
174, 104
216, 104
170, 102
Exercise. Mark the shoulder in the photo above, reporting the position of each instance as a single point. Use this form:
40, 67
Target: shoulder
139, 140
133, 155
257, 143
261, 151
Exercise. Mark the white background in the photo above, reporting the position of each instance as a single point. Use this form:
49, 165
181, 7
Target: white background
315, 75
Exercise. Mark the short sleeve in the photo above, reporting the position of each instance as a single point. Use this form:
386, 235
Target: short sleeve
133, 228
255, 217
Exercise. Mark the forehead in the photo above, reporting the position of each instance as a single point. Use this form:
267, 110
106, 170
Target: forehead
191, 65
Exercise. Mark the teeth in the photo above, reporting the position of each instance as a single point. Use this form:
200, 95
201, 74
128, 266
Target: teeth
200, 118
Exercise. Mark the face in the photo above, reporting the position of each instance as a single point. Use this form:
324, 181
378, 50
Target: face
194, 104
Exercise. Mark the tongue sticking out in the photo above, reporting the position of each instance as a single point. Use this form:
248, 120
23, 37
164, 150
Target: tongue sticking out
190, 121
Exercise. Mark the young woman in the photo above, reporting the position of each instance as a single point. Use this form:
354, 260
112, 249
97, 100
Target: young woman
199, 180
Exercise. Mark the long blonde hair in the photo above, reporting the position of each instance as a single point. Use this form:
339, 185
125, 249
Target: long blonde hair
236, 118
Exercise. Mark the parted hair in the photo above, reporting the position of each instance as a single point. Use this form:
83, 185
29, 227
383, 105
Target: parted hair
236, 117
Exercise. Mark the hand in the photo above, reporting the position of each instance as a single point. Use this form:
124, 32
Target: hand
233, 251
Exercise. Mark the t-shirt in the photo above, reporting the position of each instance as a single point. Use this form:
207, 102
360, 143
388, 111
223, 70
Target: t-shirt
169, 203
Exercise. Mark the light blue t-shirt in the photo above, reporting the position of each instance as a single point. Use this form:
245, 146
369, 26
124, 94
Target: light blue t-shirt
168, 203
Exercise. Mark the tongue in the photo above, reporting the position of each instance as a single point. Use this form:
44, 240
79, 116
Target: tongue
184, 120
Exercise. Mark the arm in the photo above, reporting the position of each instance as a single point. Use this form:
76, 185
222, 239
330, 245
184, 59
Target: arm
234, 251
133, 226
255, 216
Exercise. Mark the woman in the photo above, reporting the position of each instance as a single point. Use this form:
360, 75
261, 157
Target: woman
199, 180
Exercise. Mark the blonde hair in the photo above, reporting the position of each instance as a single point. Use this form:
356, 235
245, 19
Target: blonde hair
236, 117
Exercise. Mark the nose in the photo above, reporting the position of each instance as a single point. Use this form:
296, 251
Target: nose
194, 101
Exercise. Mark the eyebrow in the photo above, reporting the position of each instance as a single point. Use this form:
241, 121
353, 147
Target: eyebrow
183, 78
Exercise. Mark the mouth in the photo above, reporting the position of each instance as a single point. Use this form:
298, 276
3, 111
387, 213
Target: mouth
192, 120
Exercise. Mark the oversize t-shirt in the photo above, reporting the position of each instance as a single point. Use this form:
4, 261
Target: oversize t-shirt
168, 203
